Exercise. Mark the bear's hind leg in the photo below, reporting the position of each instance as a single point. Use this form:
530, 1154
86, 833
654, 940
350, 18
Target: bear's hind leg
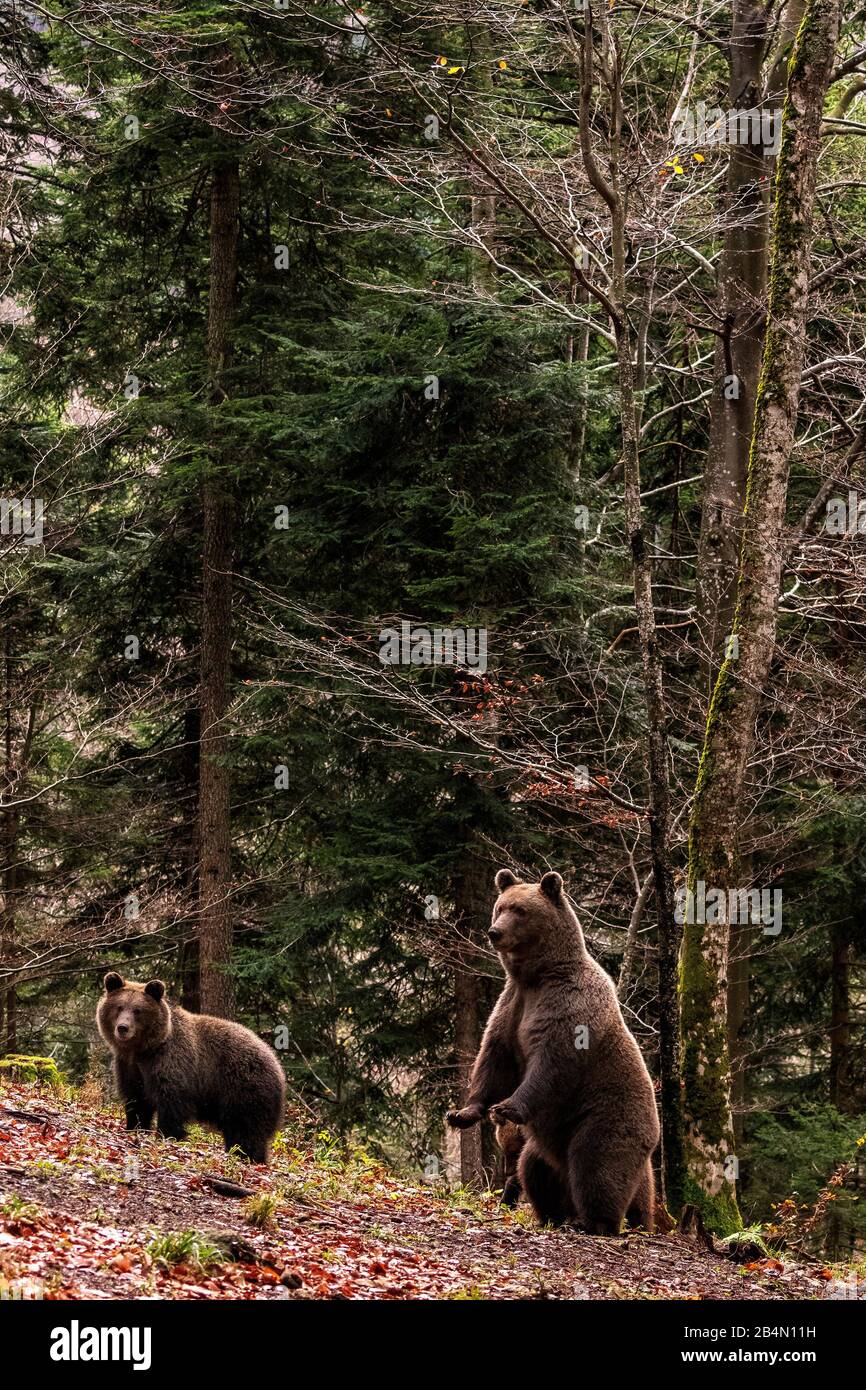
252, 1145
171, 1124
603, 1181
641, 1208
543, 1187
511, 1192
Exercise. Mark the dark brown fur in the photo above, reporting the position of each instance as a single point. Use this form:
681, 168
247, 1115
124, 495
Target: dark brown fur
183, 1067
588, 1114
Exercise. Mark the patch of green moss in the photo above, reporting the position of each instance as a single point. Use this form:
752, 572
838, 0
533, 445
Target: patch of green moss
719, 1210
707, 1080
43, 1070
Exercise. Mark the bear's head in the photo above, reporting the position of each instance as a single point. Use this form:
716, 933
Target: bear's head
534, 928
133, 1018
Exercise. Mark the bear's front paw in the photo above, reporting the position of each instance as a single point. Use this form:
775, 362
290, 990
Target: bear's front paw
507, 1110
465, 1118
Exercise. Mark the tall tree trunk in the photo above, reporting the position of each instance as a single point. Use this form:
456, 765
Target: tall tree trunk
577, 355
214, 798
474, 879
741, 291
741, 294
738, 1018
482, 211
730, 734
9, 995
472, 910
668, 934
840, 1019
188, 971
483, 221
9, 834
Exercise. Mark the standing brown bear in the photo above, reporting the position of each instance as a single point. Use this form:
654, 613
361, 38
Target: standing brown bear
558, 1059
184, 1067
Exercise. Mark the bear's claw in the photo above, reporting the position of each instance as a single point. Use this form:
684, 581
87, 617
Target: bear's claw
465, 1118
505, 1111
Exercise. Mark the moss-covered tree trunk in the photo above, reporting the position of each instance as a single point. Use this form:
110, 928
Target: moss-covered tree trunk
730, 734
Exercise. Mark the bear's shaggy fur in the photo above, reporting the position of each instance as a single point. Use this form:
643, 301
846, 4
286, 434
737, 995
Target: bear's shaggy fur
558, 1059
185, 1067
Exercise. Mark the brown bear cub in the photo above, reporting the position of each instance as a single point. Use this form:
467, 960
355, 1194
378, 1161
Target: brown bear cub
184, 1067
510, 1139
557, 1059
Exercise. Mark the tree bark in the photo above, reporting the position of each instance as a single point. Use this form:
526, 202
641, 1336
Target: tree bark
840, 1019
474, 880
741, 291
627, 965
741, 296
188, 964
214, 798
668, 935
472, 910
730, 734
9, 839
738, 1018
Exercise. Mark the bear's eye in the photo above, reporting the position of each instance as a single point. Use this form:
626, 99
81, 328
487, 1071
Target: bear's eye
518, 911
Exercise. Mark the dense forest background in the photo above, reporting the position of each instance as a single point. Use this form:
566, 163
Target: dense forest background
316, 320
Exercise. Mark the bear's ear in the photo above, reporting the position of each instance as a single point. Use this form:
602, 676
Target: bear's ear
551, 886
112, 982
504, 879
155, 988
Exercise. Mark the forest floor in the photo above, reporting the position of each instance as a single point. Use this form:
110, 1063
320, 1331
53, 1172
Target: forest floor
89, 1211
